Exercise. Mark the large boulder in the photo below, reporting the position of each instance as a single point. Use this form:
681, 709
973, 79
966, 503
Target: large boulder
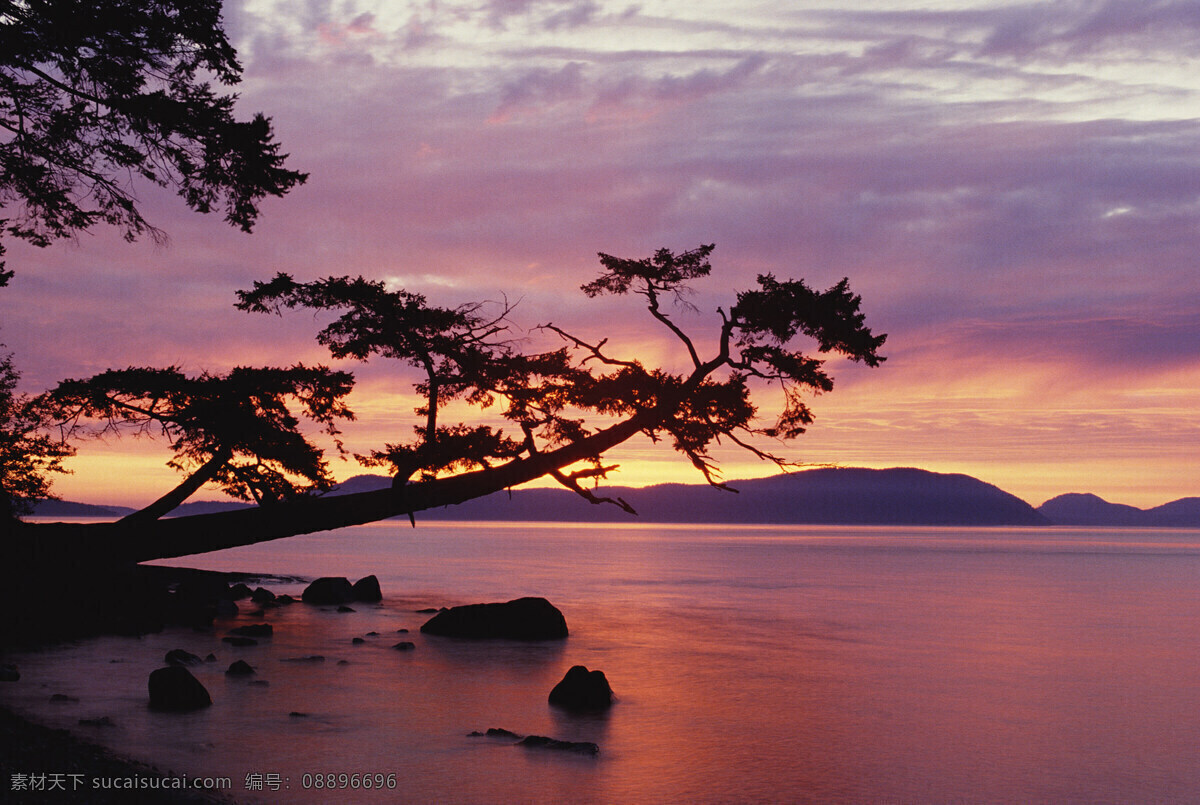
582, 690
329, 590
174, 688
367, 589
522, 619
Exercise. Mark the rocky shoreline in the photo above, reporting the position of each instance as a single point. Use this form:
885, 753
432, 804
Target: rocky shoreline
40, 763
71, 768
43, 764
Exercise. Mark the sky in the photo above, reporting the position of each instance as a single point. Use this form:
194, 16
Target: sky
1013, 188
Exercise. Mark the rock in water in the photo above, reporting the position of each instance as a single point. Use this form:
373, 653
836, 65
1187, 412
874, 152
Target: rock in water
329, 590
582, 689
239, 668
174, 688
254, 630
367, 589
178, 656
522, 619
262, 595
542, 742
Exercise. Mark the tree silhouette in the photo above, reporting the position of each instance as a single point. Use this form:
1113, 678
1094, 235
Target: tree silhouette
27, 452
235, 430
569, 405
95, 96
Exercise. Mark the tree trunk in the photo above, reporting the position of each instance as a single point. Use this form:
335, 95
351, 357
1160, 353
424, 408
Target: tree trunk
171, 501
82, 546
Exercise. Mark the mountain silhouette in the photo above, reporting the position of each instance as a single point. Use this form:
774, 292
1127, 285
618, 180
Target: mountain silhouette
846, 496
1087, 509
832, 496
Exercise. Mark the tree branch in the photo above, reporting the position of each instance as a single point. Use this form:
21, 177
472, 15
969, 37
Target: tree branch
594, 349
658, 314
171, 501
572, 482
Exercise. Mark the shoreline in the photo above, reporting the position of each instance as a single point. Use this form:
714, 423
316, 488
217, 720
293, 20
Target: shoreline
76, 769
79, 765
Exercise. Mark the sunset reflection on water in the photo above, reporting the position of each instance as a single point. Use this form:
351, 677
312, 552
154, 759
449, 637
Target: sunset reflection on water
750, 664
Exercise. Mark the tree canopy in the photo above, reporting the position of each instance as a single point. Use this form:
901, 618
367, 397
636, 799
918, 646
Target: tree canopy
566, 407
234, 430
28, 452
95, 97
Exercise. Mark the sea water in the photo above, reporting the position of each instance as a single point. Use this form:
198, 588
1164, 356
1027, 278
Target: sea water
751, 664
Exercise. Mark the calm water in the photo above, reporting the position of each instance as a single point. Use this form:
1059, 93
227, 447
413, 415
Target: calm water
752, 664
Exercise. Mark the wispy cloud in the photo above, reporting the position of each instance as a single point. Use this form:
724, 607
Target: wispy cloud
1011, 186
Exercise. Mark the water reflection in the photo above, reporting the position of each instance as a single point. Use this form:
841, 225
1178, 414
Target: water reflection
758, 664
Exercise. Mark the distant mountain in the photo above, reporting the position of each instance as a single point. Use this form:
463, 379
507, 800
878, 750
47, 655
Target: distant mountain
209, 507
1086, 509
67, 508
830, 496
1182, 513
845, 496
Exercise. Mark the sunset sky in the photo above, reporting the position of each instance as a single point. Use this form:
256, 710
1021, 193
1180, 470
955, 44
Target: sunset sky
1013, 188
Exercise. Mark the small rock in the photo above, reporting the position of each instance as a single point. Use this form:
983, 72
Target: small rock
542, 742
211, 657
344, 608
495, 732
358, 640
239, 641
582, 689
372, 634
284, 599
254, 630
178, 656
298, 714
428, 610
404, 645
62, 697
174, 688
239, 668
239, 591
262, 595
401, 631
309, 658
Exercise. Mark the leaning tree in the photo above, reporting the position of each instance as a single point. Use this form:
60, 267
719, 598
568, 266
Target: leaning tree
564, 408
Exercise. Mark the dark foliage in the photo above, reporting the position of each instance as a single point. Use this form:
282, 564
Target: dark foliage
28, 455
97, 96
235, 430
550, 396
